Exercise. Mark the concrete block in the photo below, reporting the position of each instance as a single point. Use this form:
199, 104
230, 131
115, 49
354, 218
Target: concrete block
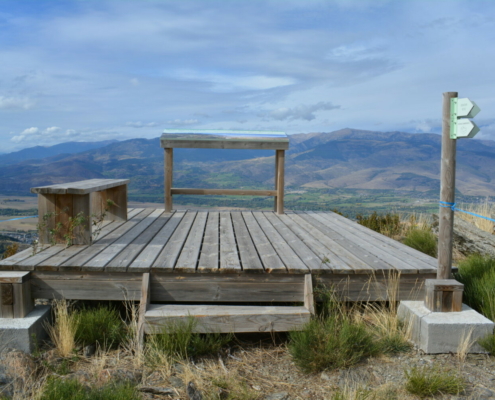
21, 333
442, 332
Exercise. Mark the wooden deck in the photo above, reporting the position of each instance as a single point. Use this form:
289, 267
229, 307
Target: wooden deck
230, 242
216, 256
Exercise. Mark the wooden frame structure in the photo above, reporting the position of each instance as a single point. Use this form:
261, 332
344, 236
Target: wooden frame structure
218, 139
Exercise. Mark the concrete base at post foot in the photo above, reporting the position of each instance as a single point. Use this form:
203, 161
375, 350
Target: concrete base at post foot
443, 332
22, 333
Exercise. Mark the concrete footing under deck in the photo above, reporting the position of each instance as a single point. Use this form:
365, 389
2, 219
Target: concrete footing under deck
22, 333
444, 332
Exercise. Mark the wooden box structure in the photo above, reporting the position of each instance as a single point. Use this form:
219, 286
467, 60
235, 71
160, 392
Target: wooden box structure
60, 204
15, 294
443, 295
223, 139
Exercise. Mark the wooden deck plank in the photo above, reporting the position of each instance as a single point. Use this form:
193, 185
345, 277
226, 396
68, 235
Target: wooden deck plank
189, 255
269, 257
229, 258
228, 319
109, 226
60, 258
77, 262
18, 257
249, 256
311, 259
30, 263
375, 263
391, 255
165, 262
102, 259
363, 243
145, 259
349, 262
208, 259
291, 260
428, 261
332, 255
131, 251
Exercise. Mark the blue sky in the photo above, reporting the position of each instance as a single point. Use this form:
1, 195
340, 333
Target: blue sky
96, 70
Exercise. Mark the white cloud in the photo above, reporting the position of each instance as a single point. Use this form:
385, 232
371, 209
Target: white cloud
225, 83
13, 103
139, 124
183, 122
303, 112
52, 129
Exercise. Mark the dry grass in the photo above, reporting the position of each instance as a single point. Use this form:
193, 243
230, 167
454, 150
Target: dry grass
465, 345
486, 209
63, 331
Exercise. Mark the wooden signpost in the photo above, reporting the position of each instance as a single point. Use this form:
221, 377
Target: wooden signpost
455, 125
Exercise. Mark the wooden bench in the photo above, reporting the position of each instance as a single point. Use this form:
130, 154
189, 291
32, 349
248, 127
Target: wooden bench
59, 204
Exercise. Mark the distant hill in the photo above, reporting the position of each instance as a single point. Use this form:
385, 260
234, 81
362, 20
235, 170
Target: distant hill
347, 158
38, 152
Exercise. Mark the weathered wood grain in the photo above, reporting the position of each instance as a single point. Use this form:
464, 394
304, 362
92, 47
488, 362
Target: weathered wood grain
209, 257
189, 255
165, 262
228, 318
229, 258
249, 256
132, 250
145, 259
291, 260
267, 254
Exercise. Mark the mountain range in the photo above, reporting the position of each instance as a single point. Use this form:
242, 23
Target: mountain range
347, 158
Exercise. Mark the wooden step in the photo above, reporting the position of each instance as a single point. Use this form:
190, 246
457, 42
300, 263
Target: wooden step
226, 319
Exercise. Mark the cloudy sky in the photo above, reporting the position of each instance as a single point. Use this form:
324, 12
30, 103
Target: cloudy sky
96, 70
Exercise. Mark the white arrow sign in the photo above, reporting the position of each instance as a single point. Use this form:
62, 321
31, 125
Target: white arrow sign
466, 128
467, 108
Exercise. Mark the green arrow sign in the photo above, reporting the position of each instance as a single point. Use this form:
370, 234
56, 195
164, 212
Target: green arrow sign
467, 108
466, 128
460, 125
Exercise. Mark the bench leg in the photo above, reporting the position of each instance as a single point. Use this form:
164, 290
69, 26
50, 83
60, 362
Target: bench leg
115, 212
46, 217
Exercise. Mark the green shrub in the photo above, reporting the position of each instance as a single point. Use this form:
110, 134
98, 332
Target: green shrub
333, 342
388, 224
488, 343
178, 340
431, 380
61, 389
101, 325
394, 343
423, 240
477, 273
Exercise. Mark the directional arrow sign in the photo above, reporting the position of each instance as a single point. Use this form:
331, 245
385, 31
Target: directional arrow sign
466, 128
467, 108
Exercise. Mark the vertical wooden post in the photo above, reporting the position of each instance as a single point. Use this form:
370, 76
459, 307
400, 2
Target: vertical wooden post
280, 181
143, 305
447, 192
46, 216
276, 181
168, 174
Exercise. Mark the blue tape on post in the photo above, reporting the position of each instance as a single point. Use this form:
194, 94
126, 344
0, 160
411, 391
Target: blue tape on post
453, 207
15, 219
